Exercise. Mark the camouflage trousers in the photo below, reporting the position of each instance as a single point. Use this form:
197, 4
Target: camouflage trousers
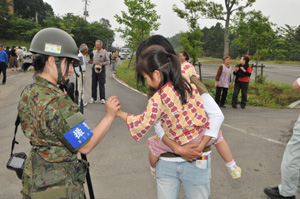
54, 180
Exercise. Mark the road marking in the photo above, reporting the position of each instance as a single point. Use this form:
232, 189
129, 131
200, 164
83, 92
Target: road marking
124, 84
14, 76
254, 135
227, 125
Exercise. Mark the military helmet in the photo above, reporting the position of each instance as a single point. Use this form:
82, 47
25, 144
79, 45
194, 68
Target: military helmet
54, 42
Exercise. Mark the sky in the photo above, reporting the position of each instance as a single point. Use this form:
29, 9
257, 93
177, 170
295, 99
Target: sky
281, 12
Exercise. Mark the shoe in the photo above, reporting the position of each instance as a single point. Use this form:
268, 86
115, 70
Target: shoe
235, 173
85, 104
273, 193
3, 83
223, 106
102, 101
243, 107
92, 101
234, 107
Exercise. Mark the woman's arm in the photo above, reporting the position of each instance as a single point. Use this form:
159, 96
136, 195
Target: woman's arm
112, 106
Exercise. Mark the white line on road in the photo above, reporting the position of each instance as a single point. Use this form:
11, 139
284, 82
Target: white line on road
14, 76
227, 125
254, 135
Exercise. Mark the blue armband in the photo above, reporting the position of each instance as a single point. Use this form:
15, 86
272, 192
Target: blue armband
78, 135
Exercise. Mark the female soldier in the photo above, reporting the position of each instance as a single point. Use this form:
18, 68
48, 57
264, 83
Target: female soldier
53, 123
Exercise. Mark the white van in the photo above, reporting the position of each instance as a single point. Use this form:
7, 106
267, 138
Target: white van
124, 53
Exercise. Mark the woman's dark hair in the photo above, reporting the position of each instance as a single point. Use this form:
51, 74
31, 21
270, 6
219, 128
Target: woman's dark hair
246, 58
186, 55
157, 58
12, 49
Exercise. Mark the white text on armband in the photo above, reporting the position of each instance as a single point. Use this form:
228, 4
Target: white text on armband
78, 135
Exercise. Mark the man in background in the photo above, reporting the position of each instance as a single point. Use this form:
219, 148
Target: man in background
100, 61
83, 50
3, 63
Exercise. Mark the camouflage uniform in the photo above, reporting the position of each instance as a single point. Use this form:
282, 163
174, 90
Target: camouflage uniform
52, 169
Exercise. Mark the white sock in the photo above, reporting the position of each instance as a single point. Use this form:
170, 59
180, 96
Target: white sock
152, 169
231, 165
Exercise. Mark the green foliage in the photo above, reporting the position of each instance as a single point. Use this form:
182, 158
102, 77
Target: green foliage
268, 95
5, 19
128, 75
174, 40
191, 40
28, 9
139, 21
252, 30
213, 41
191, 43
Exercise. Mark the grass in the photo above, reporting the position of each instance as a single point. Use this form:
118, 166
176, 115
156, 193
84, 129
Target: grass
269, 94
12, 43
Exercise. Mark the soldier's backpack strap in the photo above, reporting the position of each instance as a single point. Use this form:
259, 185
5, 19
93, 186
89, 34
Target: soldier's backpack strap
14, 139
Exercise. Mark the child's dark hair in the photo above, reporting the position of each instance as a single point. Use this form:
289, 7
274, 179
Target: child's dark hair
157, 58
186, 55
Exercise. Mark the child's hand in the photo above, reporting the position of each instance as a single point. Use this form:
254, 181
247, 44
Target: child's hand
112, 106
189, 152
218, 83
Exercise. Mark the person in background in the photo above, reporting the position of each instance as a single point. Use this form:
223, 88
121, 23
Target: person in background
8, 54
290, 164
83, 50
101, 59
114, 61
13, 61
242, 72
223, 79
20, 54
3, 63
184, 57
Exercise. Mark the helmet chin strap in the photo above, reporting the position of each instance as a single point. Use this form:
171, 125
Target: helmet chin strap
60, 80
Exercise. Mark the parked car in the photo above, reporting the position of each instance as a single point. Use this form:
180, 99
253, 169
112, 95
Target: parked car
124, 53
26, 53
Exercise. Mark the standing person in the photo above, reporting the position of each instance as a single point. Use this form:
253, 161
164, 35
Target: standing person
13, 61
83, 50
48, 118
290, 164
99, 61
223, 79
114, 61
242, 72
3, 63
184, 57
20, 54
8, 54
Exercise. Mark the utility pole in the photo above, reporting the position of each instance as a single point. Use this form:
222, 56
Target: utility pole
36, 17
86, 12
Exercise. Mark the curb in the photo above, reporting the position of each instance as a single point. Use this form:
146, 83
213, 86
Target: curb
126, 85
294, 104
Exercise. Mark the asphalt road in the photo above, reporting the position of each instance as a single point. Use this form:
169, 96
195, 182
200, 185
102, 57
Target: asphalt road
119, 164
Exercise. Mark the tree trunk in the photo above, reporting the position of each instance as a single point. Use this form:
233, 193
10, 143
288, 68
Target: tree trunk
226, 37
131, 58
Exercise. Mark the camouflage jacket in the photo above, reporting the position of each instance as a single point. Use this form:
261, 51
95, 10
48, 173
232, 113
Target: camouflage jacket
43, 110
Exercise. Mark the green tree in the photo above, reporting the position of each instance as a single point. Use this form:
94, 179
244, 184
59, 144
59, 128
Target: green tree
216, 11
139, 21
5, 19
254, 30
192, 12
30, 8
212, 39
174, 40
